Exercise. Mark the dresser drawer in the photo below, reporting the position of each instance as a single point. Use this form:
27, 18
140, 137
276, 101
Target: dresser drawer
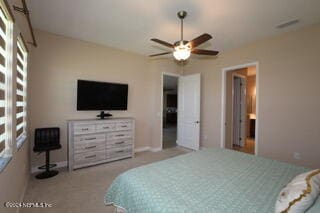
90, 138
106, 127
119, 135
119, 149
119, 143
89, 157
123, 125
84, 129
89, 147
119, 152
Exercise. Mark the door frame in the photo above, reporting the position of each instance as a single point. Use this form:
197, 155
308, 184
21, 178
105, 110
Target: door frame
161, 104
232, 103
223, 102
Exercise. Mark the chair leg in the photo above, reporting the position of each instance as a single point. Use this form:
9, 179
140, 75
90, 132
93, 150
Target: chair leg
48, 173
47, 160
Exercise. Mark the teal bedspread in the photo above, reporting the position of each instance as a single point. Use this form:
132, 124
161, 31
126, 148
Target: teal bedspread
210, 180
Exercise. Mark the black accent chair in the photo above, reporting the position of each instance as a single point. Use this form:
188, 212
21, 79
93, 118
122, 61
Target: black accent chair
45, 140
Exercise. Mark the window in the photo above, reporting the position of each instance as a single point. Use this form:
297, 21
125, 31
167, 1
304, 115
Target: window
5, 75
21, 94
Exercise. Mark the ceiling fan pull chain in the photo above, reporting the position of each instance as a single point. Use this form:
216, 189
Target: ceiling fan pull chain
181, 29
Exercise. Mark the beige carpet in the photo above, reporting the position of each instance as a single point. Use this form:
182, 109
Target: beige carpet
83, 190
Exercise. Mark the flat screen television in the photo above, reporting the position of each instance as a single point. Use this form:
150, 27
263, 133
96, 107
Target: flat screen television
93, 95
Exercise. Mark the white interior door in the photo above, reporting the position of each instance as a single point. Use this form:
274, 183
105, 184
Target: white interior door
239, 111
189, 111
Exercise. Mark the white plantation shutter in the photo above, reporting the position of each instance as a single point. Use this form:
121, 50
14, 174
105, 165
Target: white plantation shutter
21, 91
4, 76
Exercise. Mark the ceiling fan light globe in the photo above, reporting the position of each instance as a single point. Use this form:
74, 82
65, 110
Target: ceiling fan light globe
182, 52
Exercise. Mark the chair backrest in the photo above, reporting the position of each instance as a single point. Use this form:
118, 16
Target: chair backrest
45, 138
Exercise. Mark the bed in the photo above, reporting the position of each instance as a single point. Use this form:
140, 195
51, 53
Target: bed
210, 180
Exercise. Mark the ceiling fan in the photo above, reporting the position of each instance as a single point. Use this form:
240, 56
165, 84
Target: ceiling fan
182, 49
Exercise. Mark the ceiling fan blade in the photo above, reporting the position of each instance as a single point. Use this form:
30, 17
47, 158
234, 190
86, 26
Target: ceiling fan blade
162, 42
205, 52
199, 40
160, 54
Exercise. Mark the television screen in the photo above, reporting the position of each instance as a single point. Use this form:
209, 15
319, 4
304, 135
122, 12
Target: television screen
92, 95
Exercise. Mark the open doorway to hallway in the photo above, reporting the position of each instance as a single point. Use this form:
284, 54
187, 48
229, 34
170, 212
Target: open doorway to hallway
169, 111
240, 109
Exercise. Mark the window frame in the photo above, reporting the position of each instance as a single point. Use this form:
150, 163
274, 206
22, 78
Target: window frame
20, 139
8, 19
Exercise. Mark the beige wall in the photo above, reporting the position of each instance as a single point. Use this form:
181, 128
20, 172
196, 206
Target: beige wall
14, 178
289, 100
57, 64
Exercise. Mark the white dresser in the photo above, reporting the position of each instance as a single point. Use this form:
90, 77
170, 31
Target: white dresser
91, 142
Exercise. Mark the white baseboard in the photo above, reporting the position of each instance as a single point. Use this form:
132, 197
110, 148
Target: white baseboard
147, 148
142, 149
61, 164
157, 149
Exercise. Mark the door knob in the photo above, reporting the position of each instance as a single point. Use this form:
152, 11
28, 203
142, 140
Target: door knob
197, 122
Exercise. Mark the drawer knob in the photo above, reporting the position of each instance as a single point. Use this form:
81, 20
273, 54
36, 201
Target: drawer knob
120, 135
123, 126
90, 139
119, 151
91, 156
90, 147
85, 128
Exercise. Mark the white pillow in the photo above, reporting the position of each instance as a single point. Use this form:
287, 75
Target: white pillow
299, 194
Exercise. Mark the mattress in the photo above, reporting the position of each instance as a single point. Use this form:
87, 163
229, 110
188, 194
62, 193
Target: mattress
211, 180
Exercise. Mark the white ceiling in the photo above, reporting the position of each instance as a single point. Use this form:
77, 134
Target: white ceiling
129, 24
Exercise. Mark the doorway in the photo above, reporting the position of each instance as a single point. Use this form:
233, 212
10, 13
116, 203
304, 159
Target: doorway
169, 111
239, 109
239, 83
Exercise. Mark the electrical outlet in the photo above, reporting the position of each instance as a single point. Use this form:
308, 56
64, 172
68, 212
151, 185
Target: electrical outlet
297, 155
